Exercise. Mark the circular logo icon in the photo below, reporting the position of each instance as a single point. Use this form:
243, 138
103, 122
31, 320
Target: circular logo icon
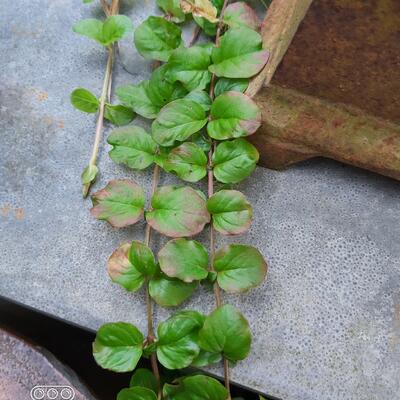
38, 393
52, 394
67, 394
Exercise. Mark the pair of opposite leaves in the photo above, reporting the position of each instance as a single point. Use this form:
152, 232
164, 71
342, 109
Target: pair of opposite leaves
186, 338
176, 211
232, 161
182, 264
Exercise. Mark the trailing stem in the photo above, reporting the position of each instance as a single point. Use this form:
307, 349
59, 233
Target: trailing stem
147, 239
105, 94
149, 301
100, 117
106, 7
217, 290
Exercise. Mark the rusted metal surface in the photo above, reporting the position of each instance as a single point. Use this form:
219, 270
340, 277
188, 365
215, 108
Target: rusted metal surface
348, 51
24, 366
297, 127
278, 28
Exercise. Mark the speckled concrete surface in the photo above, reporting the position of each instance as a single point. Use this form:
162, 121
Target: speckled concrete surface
327, 321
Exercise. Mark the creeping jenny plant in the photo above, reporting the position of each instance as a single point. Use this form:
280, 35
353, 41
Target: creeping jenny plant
200, 118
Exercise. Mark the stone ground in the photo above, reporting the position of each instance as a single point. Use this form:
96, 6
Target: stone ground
25, 369
326, 322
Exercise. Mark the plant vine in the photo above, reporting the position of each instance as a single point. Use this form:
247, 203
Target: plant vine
201, 116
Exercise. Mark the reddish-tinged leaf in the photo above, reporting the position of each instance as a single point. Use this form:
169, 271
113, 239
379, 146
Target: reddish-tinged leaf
177, 211
121, 203
122, 271
240, 54
231, 212
241, 14
188, 161
233, 115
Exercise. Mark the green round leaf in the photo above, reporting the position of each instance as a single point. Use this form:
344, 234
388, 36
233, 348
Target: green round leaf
230, 85
144, 378
239, 55
206, 358
118, 114
89, 174
178, 120
226, 331
188, 161
234, 160
200, 97
160, 90
233, 115
122, 271
120, 203
177, 339
170, 292
184, 259
173, 9
148, 97
239, 267
177, 211
142, 258
190, 66
91, 28
136, 393
231, 212
156, 38
198, 387
118, 346
84, 100
240, 14
113, 29
136, 97
132, 146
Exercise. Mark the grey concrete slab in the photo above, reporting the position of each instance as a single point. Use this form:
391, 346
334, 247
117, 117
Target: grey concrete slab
326, 323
